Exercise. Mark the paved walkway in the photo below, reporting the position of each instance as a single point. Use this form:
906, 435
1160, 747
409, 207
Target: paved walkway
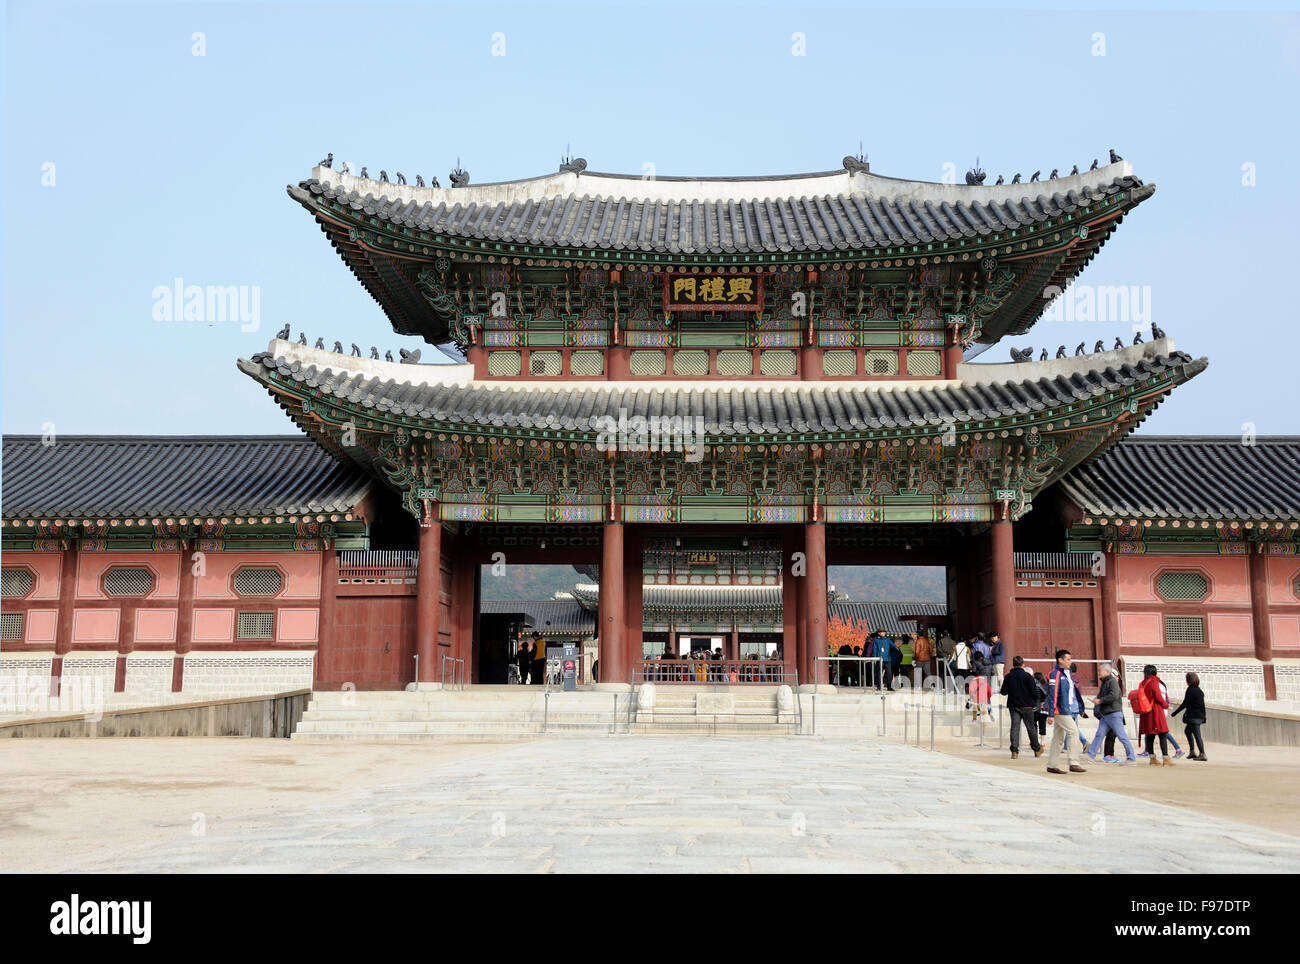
723, 804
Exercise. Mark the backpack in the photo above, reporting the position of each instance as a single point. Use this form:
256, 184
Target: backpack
1140, 701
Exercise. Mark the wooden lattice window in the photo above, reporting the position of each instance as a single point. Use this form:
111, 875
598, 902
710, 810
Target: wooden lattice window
1182, 584
1184, 631
128, 581
251, 581
923, 363
783, 363
255, 626
840, 363
504, 363
647, 362
690, 363
734, 363
881, 363
546, 364
11, 625
587, 363
18, 581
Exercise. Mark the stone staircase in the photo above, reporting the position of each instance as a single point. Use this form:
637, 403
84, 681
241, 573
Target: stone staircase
502, 713
716, 709
476, 713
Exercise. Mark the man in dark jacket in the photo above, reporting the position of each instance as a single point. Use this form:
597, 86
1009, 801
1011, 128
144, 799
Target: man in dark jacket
1022, 700
1109, 707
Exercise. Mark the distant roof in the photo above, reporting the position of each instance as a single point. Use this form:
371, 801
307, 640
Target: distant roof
565, 616
727, 409
119, 476
832, 211
1196, 477
574, 616
886, 615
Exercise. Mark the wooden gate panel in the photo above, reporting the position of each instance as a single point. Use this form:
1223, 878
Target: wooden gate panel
372, 646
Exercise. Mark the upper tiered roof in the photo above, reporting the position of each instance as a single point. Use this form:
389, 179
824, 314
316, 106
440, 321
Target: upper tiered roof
412, 245
835, 213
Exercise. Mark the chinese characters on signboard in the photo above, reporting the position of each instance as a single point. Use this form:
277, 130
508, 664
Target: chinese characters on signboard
713, 292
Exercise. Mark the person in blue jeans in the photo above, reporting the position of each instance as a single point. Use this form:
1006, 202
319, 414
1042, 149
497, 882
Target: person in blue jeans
1077, 710
1109, 707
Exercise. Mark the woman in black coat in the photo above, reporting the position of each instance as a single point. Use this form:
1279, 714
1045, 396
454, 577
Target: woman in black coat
1194, 704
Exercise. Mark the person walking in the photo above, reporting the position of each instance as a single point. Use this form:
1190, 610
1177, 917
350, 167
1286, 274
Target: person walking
1194, 703
523, 660
1023, 700
998, 655
1062, 700
922, 653
539, 659
1109, 706
961, 654
1178, 750
1040, 714
1150, 703
943, 648
895, 659
882, 648
979, 644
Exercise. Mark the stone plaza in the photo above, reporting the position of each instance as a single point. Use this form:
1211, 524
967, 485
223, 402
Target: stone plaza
597, 804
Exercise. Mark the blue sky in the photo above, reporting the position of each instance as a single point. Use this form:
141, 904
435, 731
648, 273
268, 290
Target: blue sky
169, 165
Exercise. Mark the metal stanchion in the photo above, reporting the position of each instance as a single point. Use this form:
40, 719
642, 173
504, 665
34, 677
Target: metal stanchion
932, 702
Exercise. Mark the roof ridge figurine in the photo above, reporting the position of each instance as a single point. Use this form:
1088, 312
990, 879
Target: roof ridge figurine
409, 357
459, 177
327, 160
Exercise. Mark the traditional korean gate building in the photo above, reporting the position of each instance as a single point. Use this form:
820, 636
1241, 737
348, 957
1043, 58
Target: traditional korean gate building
767, 370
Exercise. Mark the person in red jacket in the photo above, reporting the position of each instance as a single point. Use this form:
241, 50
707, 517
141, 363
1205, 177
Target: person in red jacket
1154, 723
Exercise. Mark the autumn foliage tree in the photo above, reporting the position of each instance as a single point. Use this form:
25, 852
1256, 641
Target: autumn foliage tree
842, 632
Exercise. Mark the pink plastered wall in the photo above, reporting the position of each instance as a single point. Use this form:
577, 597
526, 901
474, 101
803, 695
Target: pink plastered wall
46, 567
91, 566
1229, 577
301, 572
1283, 571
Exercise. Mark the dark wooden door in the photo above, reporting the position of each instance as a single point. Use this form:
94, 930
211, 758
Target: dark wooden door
373, 644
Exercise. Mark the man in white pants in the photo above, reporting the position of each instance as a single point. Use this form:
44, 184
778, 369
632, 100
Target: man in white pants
1062, 694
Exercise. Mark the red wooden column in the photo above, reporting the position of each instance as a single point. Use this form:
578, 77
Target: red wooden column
952, 356
329, 594
1259, 618
464, 579
185, 619
1003, 561
791, 605
67, 600
476, 355
633, 579
618, 366
428, 591
612, 651
1110, 608
815, 613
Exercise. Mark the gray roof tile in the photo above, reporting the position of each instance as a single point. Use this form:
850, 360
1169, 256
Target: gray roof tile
120, 476
757, 410
1205, 477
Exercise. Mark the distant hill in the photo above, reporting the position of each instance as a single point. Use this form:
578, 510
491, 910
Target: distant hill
530, 582
862, 583
884, 583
